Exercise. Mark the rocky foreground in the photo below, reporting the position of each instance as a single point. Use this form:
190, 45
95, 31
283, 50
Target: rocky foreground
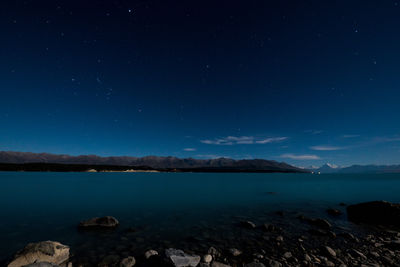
317, 242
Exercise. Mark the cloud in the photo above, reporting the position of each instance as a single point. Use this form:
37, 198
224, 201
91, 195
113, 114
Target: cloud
327, 148
189, 149
313, 131
271, 140
350, 135
300, 157
242, 140
386, 139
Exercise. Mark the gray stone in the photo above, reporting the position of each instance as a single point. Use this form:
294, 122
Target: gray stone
207, 258
329, 251
219, 264
128, 262
287, 255
150, 253
181, 259
214, 252
235, 252
273, 263
356, 253
255, 264
46, 251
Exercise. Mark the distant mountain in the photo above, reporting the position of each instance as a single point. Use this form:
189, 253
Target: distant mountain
371, 169
154, 162
331, 168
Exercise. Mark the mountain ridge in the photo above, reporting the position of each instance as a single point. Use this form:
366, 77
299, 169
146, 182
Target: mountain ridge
357, 168
155, 162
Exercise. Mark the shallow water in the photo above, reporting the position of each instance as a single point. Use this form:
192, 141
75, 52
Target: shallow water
167, 209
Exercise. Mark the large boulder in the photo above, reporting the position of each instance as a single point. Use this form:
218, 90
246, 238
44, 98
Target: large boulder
45, 251
181, 259
102, 222
375, 213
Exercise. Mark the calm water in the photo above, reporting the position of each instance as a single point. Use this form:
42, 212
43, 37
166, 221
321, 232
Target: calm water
167, 207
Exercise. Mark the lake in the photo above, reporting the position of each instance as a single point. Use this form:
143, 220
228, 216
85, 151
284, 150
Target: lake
156, 210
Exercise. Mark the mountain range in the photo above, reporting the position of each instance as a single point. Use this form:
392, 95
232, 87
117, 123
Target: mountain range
154, 162
371, 168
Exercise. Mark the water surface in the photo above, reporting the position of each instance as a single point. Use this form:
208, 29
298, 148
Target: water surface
165, 208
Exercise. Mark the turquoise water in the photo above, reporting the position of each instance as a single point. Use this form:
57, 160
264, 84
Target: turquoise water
168, 206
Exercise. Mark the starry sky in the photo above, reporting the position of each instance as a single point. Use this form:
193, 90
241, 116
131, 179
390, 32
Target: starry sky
305, 82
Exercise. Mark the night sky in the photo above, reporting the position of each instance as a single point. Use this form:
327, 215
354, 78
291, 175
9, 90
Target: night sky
305, 82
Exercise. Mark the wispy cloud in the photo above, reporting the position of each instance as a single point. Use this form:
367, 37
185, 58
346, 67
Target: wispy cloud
327, 148
313, 131
384, 139
350, 135
271, 140
189, 149
242, 140
300, 157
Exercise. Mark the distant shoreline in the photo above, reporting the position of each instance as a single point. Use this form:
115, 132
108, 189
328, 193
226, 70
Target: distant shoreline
59, 167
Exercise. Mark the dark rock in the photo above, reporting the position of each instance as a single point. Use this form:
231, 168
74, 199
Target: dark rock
103, 222
234, 252
349, 236
254, 264
317, 222
214, 252
321, 223
328, 251
268, 227
110, 260
42, 264
219, 264
321, 232
375, 213
248, 224
334, 212
280, 213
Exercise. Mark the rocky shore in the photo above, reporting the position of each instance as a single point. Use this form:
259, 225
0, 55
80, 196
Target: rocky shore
295, 240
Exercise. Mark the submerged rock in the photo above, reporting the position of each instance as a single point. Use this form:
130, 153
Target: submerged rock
181, 259
375, 213
46, 251
110, 260
334, 212
102, 222
317, 222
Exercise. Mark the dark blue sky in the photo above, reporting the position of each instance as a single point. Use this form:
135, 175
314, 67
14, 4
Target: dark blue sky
306, 82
